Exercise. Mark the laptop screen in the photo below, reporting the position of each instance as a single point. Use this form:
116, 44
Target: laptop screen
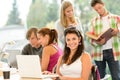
29, 66
12, 57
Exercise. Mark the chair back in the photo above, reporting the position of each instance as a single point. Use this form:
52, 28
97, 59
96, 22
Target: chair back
94, 73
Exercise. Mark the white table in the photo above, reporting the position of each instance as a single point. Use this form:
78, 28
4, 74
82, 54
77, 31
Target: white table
15, 76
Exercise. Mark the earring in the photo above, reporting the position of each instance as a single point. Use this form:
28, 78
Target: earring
79, 43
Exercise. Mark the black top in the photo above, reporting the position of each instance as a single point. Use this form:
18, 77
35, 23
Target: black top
29, 50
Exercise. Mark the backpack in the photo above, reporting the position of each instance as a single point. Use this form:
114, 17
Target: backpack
94, 73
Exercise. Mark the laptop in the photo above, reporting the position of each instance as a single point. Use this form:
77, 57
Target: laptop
29, 66
12, 57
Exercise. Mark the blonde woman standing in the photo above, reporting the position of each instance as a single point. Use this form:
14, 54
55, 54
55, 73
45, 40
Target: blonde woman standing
66, 19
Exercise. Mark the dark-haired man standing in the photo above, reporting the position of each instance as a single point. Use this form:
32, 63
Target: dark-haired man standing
106, 51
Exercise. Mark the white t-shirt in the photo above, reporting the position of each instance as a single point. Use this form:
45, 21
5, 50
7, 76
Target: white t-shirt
106, 24
72, 70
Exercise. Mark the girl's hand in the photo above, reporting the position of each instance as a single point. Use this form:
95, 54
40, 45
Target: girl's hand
46, 72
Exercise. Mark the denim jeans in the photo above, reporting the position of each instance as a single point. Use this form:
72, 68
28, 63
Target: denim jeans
112, 64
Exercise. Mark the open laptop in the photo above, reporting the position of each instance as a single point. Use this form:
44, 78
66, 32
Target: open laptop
12, 57
29, 66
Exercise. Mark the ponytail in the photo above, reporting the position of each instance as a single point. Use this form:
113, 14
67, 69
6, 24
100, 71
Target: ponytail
53, 36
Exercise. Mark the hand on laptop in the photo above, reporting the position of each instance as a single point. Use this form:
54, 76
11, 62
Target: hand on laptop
46, 72
53, 75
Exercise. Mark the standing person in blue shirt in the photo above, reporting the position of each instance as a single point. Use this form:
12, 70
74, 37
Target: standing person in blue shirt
33, 47
66, 19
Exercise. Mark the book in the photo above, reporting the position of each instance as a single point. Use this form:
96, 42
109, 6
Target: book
107, 35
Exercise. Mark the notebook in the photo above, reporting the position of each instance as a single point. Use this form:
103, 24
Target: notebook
29, 66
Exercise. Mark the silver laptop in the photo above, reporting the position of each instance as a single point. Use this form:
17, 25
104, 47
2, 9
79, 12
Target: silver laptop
29, 66
12, 57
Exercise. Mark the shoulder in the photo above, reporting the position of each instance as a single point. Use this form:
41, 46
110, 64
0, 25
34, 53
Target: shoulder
49, 49
57, 23
115, 16
86, 59
27, 46
27, 49
85, 56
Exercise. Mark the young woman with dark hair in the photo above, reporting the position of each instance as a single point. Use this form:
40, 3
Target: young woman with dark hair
48, 39
75, 64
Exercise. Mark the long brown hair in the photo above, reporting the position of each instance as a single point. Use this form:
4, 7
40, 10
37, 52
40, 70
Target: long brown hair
80, 49
52, 33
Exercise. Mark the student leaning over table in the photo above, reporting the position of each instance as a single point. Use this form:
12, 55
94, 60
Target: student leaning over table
33, 47
51, 52
75, 63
